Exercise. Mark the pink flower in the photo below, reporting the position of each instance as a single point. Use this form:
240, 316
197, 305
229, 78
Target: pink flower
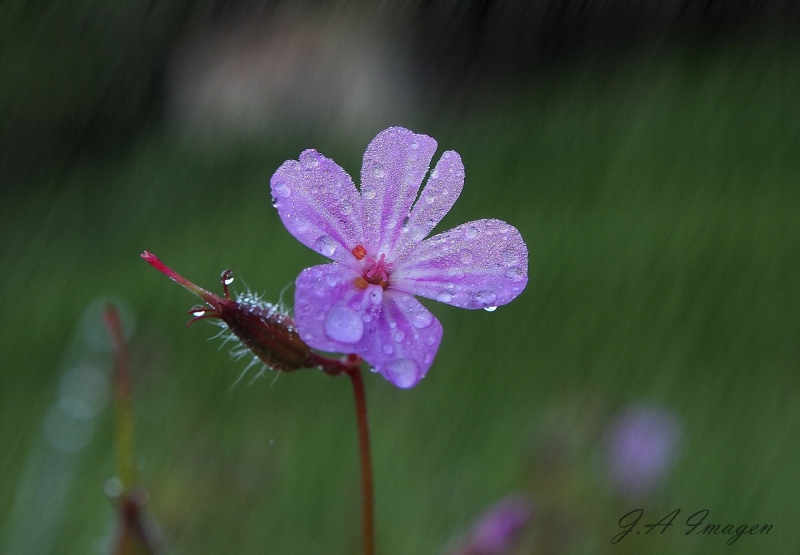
363, 302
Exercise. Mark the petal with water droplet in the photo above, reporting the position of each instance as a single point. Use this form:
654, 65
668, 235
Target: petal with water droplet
437, 198
485, 281
390, 178
406, 340
311, 207
332, 313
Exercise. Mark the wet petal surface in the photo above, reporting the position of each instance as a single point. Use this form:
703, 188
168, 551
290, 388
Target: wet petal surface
406, 340
480, 264
332, 314
319, 204
437, 198
394, 165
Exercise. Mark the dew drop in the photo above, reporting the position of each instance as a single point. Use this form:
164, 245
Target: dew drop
373, 369
399, 335
274, 202
403, 372
489, 308
368, 192
414, 145
422, 319
388, 349
429, 199
198, 312
378, 171
430, 340
485, 297
332, 280
301, 223
325, 245
282, 189
392, 325
471, 232
347, 208
435, 173
344, 325
515, 274
444, 297
465, 256
227, 280
509, 257
309, 159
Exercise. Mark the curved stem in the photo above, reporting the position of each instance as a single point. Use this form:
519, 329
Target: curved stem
367, 496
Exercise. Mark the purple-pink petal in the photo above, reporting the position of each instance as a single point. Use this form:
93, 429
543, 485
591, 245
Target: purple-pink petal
319, 204
406, 340
395, 163
435, 201
479, 264
331, 313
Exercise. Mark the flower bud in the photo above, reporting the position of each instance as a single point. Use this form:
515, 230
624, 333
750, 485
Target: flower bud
263, 328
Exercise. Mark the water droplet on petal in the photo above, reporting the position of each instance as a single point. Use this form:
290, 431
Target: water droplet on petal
471, 232
489, 308
274, 202
309, 159
414, 145
434, 173
347, 208
368, 192
332, 280
388, 349
402, 372
485, 298
515, 274
282, 189
399, 335
392, 325
429, 199
325, 245
465, 256
422, 319
378, 171
344, 325
301, 223
444, 297
509, 257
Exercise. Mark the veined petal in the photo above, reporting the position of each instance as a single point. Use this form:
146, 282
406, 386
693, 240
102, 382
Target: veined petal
331, 313
405, 341
437, 198
480, 264
395, 163
319, 204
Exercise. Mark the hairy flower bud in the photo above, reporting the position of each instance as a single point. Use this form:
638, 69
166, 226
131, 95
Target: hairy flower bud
264, 329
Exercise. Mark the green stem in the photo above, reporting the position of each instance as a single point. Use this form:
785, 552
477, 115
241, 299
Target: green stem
367, 496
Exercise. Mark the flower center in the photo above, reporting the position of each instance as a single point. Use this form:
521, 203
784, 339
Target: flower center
376, 272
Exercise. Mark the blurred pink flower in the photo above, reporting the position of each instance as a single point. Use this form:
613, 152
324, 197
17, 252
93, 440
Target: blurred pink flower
641, 448
364, 302
497, 529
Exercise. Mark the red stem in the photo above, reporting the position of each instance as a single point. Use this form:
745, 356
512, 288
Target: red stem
351, 366
367, 497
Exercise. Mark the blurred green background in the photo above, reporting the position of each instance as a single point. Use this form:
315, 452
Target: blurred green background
657, 186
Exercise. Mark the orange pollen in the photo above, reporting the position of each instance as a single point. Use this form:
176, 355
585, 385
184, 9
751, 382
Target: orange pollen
359, 252
361, 283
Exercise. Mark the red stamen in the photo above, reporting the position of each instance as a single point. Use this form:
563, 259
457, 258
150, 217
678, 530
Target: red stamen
359, 252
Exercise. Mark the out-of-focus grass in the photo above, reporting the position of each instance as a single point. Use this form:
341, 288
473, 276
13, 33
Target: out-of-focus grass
660, 205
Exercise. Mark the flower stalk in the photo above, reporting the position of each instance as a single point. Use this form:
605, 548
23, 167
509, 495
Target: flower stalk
270, 335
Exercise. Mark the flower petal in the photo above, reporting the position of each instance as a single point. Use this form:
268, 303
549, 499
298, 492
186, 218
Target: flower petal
406, 340
437, 198
331, 313
480, 264
394, 165
319, 204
